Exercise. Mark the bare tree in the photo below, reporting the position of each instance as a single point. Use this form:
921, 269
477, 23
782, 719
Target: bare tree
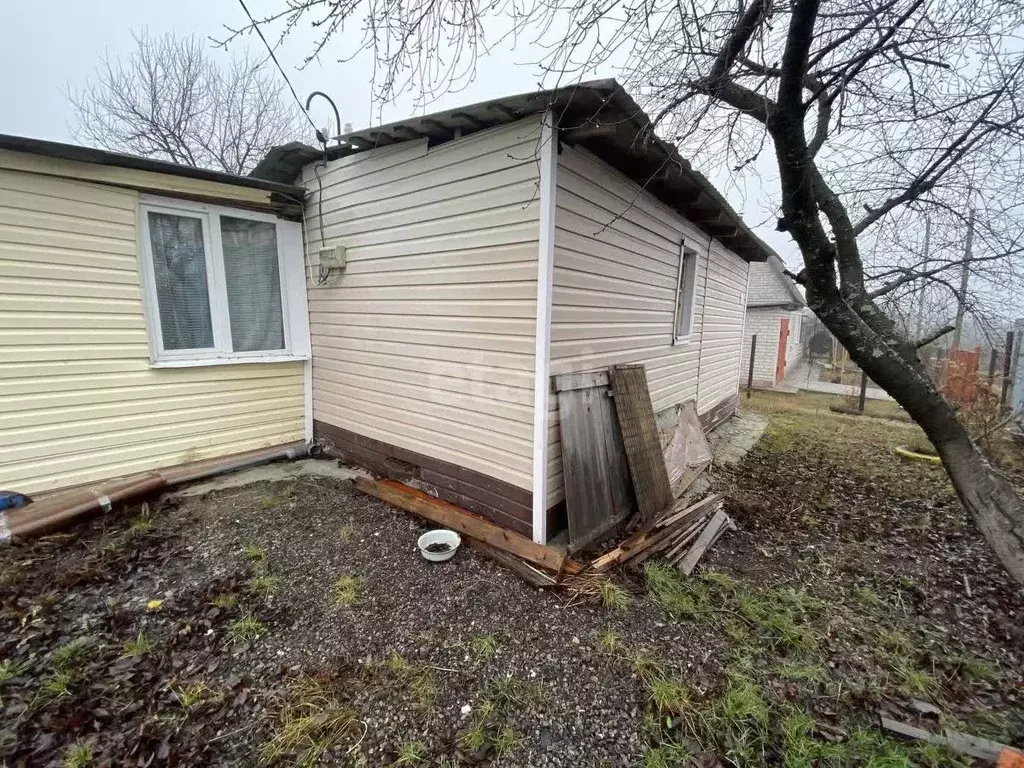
169, 99
876, 113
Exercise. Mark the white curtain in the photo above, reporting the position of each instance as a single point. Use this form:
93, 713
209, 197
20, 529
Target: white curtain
179, 265
253, 284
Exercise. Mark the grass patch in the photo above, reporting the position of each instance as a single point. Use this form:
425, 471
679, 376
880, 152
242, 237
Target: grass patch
255, 554
78, 755
57, 684
475, 738
866, 596
647, 668
346, 590
143, 522
801, 672
667, 754
489, 725
971, 669
311, 719
139, 646
71, 652
8, 671
483, 647
225, 601
246, 628
64, 672
507, 742
264, 585
410, 754
912, 680
610, 641
893, 641
613, 596
670, 697
347, 532
508, 690
416, 678
197, 694
780, 618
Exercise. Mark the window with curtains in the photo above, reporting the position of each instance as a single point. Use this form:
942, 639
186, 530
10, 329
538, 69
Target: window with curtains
221, 284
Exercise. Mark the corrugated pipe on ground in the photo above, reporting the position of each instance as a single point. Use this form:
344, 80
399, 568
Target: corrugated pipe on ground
62, 509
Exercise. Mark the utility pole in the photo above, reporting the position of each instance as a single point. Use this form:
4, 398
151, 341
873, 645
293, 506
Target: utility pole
961, 299
924, 282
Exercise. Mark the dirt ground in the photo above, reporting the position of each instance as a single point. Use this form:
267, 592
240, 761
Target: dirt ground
294, 623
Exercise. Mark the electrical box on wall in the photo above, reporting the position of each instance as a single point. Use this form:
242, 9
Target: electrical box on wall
332, 258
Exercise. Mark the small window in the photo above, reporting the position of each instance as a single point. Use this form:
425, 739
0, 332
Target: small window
222, 285
686, 294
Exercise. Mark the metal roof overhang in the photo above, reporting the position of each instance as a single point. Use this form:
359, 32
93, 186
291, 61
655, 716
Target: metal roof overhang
598, 115
282, 192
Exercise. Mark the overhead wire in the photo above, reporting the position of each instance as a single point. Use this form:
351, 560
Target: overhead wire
273, 57
322, 274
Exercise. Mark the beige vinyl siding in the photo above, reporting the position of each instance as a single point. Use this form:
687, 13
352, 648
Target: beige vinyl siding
616, 269
426, 339
78, 399
721, 337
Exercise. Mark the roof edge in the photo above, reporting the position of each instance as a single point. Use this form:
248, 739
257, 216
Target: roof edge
598, 114
93, 156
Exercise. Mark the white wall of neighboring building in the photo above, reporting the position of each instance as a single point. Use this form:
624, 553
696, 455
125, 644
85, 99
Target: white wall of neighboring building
766, 322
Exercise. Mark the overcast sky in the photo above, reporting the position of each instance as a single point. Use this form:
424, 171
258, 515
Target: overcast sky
48, 48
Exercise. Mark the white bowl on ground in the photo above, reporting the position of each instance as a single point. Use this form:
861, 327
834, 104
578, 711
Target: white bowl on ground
439, 536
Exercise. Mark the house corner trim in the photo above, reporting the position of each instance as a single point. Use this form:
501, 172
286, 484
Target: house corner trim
548, 160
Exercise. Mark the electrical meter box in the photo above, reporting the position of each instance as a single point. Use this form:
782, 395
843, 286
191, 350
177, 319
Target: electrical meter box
333, 257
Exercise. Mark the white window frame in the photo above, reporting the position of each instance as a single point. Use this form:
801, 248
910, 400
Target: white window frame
687, 257
290, 263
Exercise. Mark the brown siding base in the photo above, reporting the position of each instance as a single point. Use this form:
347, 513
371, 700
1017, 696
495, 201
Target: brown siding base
714, 416
499, 501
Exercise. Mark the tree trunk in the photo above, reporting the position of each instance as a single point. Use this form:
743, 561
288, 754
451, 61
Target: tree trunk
992, 501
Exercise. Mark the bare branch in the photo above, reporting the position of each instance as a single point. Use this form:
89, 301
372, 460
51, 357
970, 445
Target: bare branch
170, 100
934, 336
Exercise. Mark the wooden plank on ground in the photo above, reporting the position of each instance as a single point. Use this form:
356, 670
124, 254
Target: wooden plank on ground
523, 570
635, 414
692, 511
665, 538
964, 743
688, 563
598, 493
451, 516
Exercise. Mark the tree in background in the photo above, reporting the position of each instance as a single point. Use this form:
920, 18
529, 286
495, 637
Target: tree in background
170, 100
873, 114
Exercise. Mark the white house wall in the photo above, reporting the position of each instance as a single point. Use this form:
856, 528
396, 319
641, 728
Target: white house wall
767, 286
426, 339
615, 273
766, 323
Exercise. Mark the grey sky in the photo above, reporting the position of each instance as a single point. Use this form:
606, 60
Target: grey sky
46, 49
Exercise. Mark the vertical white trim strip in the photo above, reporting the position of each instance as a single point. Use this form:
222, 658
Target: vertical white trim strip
307, 401
548, 158
302, 292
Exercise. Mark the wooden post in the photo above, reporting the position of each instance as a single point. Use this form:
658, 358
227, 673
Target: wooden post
750, 372
863, 391
1007, 366
992, 366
